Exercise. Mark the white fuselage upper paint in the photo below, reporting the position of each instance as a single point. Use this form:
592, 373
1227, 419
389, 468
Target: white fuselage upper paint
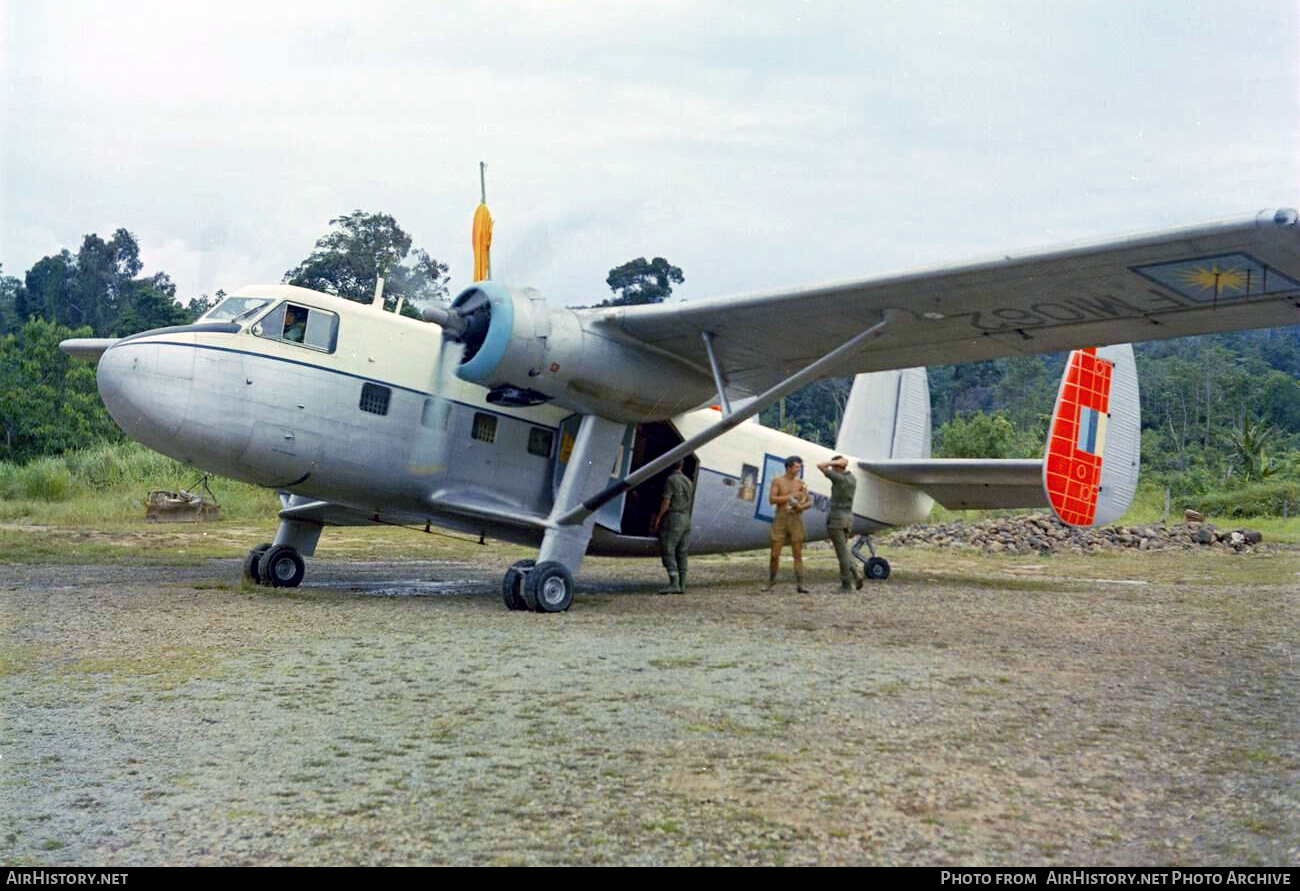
374, 425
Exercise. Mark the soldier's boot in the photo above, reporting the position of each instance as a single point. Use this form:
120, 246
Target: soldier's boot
846, 585
681, 582
673, 584
858, 578
798, 583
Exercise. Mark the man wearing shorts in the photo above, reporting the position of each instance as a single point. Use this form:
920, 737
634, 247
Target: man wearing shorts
790, 496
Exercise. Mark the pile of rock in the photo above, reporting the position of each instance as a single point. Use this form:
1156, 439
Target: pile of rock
1044, 534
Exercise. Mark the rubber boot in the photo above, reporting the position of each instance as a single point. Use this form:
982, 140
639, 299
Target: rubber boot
681, 583
674, 586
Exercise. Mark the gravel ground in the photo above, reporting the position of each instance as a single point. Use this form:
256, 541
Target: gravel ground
978, 711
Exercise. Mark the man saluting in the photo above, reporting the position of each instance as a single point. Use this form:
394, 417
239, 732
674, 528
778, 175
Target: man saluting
839, 520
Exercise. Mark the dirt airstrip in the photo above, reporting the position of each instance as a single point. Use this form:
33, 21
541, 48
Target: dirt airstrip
970, 710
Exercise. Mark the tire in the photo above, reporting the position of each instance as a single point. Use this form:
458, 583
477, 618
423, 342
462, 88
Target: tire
252, 563
876, 569
548, 588
282, 567
513, 583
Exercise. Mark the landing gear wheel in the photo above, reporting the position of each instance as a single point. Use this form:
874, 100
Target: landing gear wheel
513, 583
281, 567
252, 560
876, 569
548, 588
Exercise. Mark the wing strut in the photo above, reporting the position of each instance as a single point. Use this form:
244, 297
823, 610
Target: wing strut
717, 374
735, 419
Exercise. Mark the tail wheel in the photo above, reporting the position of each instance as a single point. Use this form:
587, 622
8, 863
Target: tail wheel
282, 567
252, 560
876, 569
513, 583
548, 588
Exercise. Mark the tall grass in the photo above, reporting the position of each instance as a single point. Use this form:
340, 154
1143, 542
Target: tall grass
108, 483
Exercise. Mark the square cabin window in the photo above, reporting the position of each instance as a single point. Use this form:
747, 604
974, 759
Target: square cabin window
485, 427
539, 442
374, 399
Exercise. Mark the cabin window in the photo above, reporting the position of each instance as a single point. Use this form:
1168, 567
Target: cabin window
374, 399
485, 427
539, 441
306, 325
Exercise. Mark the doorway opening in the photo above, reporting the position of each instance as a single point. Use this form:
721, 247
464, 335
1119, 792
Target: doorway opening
642, 503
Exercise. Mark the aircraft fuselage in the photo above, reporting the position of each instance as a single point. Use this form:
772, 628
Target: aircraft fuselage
364, 412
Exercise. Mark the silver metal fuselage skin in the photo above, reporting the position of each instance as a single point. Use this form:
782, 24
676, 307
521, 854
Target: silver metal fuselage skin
225, 399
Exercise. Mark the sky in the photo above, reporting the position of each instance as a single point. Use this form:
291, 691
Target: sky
754, 144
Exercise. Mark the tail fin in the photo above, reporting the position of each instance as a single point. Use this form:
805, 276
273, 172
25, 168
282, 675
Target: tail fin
887, 416
1090, 465
1089, 471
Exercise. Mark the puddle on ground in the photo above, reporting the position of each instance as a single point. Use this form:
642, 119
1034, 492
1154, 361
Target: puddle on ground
406, 587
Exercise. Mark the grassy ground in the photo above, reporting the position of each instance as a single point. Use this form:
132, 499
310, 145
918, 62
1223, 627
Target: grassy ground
1114, 710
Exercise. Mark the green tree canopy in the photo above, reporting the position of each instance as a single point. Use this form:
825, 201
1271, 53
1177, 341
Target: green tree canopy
981, 435
639, 281
9, 289
48, 400
362, 247
98, 287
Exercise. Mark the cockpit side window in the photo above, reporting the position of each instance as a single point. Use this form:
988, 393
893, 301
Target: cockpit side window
306, 325
233, 309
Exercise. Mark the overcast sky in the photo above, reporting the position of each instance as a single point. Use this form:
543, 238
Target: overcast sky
754, 144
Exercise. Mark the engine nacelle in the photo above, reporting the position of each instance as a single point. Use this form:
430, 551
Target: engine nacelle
525, 352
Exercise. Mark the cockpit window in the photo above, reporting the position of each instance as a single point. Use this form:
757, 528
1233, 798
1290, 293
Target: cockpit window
233, 309
295, 323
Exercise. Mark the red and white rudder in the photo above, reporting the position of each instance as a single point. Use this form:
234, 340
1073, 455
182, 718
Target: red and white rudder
1090, 466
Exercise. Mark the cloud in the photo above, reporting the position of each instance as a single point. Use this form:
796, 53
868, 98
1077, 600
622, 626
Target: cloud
752, 144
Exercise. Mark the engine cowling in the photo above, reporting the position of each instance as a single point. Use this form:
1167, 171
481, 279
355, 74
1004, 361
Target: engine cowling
525, 352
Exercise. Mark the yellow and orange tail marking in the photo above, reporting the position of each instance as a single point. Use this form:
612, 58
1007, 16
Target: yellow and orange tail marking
1072, 472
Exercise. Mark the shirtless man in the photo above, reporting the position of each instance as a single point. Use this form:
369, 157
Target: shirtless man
791, 498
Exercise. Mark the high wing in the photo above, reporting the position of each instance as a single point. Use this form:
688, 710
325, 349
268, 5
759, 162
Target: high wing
1228, 275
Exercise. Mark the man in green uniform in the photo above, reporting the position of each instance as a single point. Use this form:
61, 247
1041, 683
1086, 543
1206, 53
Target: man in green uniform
839, 519
673, 526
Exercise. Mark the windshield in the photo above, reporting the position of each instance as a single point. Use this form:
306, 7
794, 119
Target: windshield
233, 309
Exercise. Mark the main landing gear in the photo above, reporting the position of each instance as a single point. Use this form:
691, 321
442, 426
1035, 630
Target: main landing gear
276, 566
545, 587
279, 564
873, 567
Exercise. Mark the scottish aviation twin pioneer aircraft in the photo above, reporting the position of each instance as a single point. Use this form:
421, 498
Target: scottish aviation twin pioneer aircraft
504, 415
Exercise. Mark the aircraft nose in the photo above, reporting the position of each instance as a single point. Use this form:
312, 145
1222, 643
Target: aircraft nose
145, 389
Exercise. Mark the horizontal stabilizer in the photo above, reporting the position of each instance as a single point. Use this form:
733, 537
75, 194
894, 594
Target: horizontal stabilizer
969, 483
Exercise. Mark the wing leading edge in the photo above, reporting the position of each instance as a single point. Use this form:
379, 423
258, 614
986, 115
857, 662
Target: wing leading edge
1224, 276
